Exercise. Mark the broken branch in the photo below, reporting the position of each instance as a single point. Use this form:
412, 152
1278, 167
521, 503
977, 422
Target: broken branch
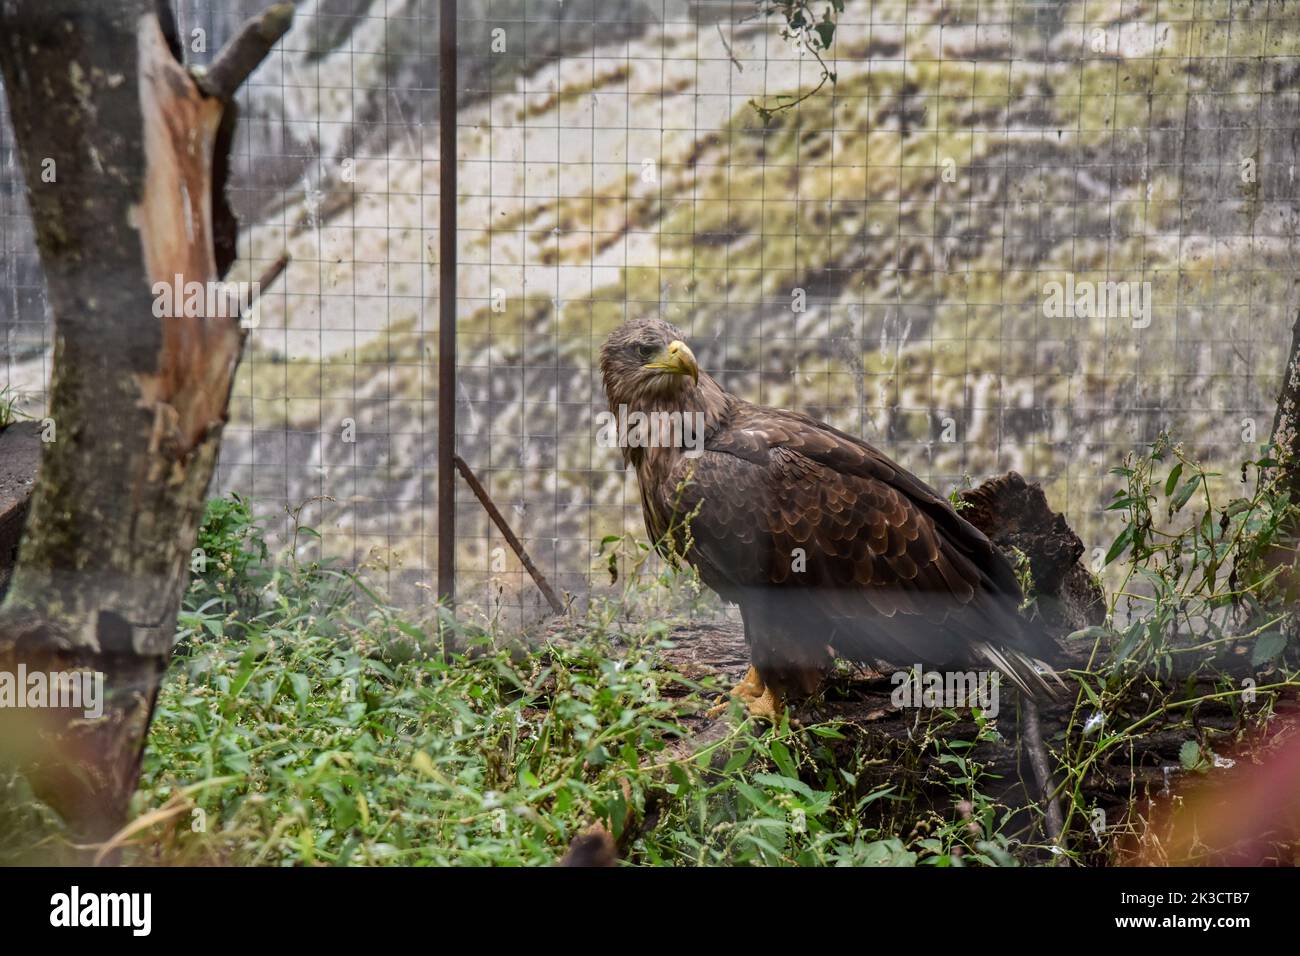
245, 53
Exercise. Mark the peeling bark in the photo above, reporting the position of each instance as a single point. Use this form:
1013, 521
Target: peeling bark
138, 401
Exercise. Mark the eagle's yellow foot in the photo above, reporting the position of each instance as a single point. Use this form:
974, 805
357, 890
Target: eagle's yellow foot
759, 699
748, 690
768, 705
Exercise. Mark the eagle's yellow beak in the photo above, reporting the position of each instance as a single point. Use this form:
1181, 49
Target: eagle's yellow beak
678, 359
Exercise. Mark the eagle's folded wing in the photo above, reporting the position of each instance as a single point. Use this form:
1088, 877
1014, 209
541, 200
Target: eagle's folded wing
823, 523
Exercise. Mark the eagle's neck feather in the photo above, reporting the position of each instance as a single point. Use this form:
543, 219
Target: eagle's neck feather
706, 399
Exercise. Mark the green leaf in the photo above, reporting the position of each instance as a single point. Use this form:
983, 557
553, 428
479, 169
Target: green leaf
1185, 493
301, 689
1120, 543
1236, 506
738, 760
1091, 694
830, 733
996, 853
781, 757
1130, 641
247, 664
775, 782
411, 631
888, 853
1189, 754
1267, 647
826, 31
1172, 481
873, 797
755, 797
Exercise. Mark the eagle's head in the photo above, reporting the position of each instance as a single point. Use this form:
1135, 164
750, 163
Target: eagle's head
646, 362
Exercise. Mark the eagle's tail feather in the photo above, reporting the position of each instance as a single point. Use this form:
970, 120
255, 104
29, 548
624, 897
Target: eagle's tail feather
1033, 676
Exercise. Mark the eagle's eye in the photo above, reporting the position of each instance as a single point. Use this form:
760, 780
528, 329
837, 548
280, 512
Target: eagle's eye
646, 351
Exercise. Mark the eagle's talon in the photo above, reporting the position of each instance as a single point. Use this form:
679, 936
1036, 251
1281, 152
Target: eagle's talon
749, 690
719, 708
768, 706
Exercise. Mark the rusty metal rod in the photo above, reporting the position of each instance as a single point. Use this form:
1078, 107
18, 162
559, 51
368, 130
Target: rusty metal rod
446, 300
499, 520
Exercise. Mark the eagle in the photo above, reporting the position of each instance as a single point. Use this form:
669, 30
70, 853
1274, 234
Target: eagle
829, 549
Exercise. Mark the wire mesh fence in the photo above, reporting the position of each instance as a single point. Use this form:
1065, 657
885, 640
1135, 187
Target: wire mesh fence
999, 235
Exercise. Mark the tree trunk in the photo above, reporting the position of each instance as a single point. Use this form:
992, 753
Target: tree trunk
1286, 421
1286, 452
124, 153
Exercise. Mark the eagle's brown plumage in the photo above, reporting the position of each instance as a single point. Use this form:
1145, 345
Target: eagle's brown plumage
827, 546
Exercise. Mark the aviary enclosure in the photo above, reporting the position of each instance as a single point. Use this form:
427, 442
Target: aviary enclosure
1040, 254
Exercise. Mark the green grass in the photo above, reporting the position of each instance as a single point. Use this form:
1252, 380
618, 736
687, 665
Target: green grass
319, 727
9, 412
303, 748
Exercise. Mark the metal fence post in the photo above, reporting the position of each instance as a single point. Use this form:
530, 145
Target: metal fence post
447, 301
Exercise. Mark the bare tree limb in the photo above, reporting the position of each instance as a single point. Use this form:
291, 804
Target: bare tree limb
245, 53
727, 46
511, 539
1037, 753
